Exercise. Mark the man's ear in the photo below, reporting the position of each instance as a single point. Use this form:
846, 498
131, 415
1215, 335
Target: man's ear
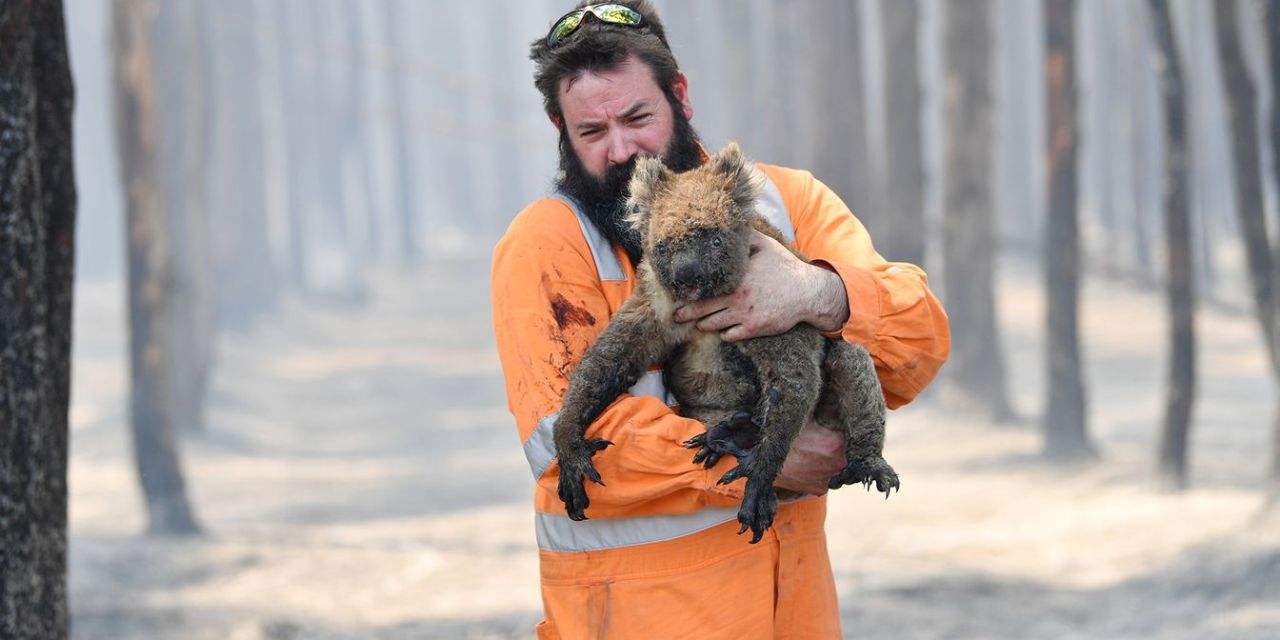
680, 89
555, 120
649, 177
745, 181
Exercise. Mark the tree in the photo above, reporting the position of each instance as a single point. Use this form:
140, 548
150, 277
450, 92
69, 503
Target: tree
401, 153
977, 369
840, 151
297, 78
150, 273
37, 212
1177, 228
1066, 436
903, 237
184, 145
243, 269
1241, 100
1273, 65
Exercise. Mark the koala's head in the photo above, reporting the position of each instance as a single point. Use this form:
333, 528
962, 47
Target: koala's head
696, 225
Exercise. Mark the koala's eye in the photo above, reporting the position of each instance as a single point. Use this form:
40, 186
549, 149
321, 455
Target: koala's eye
717, 242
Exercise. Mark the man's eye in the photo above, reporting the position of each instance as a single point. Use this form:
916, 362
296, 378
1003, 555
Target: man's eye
642, 118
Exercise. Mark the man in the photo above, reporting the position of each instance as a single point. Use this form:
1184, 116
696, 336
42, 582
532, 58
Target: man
660, 557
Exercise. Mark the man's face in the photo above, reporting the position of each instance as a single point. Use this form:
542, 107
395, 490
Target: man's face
611, 116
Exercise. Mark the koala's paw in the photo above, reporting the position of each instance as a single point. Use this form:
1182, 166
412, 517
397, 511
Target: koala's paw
759, 506
868, 471
734, 436
575, 467
759, 499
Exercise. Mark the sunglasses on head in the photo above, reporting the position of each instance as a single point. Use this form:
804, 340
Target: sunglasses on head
610, 13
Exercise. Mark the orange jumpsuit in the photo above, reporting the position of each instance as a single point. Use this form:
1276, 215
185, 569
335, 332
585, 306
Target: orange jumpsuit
659, 556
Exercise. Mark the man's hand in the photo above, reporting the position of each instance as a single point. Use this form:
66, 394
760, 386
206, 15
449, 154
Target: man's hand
816, 454
778, 291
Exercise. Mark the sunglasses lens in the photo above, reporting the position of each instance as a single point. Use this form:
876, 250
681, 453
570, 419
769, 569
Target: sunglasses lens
566, 26
617, 14
610, 13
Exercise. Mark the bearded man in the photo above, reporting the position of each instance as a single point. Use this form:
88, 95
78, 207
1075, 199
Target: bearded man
660, 556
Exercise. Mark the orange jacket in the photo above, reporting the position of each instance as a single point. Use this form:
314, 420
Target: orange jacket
556, 283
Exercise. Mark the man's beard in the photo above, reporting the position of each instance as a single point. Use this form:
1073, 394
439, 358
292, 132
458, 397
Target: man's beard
604, 200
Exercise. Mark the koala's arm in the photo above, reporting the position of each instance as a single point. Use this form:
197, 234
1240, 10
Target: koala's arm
549, 307
631, 342
891, 309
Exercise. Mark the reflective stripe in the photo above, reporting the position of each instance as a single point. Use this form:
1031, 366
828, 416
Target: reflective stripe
540, 448
559, 533
771, 206
607, 265
651, 384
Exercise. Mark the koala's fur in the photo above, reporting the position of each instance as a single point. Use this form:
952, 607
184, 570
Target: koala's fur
754, 395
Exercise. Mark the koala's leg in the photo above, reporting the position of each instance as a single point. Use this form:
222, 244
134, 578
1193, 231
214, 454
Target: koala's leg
731, 432
790, 381
853, 402
631, 342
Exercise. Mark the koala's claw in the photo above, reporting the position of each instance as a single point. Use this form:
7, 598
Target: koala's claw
759, 506
868, 471
575, 467
759, 499
735, 436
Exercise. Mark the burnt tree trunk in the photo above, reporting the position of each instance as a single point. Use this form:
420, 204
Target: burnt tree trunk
1141, 142
150, 273
401, 152
976, 372
296, 77
1241, 101
183, 87
244, 272
37, 219
1066, 435
356, 129
1272, 12
841, 157
1182, 359
903, 236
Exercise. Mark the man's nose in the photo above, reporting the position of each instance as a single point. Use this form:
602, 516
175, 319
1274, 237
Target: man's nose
621, 148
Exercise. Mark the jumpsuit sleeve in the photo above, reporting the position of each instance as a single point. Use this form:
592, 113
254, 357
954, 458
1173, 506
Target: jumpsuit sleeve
548, 308
892, 312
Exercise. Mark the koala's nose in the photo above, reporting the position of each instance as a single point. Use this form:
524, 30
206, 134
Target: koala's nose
687, 272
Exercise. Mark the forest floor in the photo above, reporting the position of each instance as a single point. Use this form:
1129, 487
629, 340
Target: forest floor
360, 477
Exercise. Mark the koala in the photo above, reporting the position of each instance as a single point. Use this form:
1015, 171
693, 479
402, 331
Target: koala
754, 395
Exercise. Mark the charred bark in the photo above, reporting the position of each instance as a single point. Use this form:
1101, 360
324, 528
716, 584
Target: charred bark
1273, 65
1241, 101
150, 273
184, 87
37, 214
1177, 228
977, 371
904, 224
1066, 434
841, 156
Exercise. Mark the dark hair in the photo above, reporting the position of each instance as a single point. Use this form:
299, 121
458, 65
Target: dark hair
599, 46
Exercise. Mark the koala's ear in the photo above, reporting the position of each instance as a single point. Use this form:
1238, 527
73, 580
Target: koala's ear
744, 179
649, 176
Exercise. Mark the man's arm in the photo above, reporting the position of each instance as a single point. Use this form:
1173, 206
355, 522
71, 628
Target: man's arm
548, 308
